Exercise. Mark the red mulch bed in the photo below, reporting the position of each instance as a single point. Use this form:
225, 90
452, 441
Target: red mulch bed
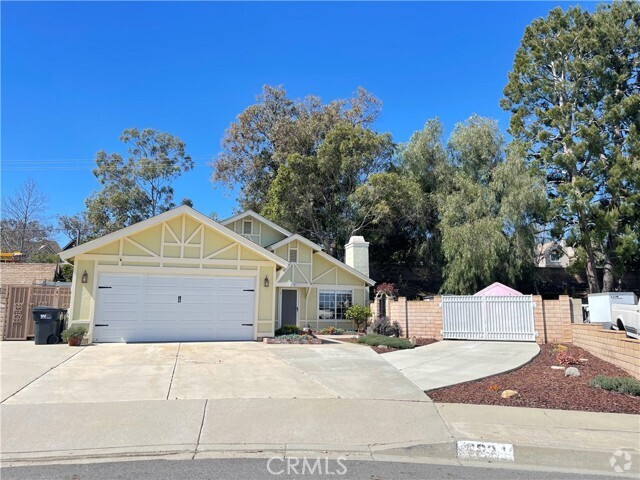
540, 386
420, 342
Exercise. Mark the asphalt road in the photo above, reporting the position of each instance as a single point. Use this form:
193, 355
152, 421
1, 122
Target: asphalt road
250, 469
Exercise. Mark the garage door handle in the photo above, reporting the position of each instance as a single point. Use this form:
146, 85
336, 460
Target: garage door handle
248, 290
247, 324
101, 325
103, 287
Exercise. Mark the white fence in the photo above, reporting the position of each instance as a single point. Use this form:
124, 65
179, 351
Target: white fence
488, 318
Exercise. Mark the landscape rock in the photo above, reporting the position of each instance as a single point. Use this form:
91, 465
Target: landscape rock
571, 372
382, 346
557, 367
509, 394
583, 359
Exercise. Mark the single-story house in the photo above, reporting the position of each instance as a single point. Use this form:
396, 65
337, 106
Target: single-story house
181, 276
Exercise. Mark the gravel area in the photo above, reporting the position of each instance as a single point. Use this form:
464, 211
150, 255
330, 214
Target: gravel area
540, 386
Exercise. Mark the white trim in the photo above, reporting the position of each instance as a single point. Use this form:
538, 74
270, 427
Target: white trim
346, 267
184, 261
299, 238
296, 267
258, 217
297, 306
163, 217
289, 249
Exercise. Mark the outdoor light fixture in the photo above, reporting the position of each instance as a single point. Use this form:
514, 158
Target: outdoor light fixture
85, 277
266, 281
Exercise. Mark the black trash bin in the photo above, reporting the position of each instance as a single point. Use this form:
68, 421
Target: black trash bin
49, 322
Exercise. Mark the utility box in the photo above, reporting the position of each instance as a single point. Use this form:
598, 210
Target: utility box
600, 304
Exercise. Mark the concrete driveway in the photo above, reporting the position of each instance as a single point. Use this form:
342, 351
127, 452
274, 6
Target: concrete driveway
33, 374
450, 362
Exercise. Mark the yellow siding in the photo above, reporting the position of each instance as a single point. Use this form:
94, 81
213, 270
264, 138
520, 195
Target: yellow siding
345, 278
214, 242
323, 271
83, 292
150, 238
129, 248
304, 253
270, 236
112, 248
266, 308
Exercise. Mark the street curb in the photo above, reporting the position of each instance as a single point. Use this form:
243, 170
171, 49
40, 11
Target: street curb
524, 456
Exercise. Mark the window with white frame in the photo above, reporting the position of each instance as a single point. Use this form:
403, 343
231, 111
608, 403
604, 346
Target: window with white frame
555, 255
247, 227
333, 304
293, 255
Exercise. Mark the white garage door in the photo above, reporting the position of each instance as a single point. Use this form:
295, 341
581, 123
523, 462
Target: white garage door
163, 308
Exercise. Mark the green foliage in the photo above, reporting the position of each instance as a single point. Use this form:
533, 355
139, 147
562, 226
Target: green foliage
574, 98
44, 257
266, 134
489, 205
288, 330
66, 272
393, 342
74, 332
626, 385
358, 315
312, 194
138, 187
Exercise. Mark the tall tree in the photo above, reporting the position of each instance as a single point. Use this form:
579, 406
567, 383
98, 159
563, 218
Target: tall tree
489, 203
24, 226
138, 186
78, 227
265, 134
312, 194
574, 98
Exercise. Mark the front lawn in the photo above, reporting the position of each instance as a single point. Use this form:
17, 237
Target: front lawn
376, 340
540, 386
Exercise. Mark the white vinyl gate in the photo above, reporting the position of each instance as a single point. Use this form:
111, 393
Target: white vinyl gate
488, 318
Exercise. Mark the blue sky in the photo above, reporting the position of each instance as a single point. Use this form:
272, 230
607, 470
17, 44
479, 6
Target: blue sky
74, 75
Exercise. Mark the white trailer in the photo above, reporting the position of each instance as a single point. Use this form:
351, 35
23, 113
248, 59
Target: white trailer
600, 305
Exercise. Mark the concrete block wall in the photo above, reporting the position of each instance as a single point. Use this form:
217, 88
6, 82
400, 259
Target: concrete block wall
553, 319
26, 273
609, 345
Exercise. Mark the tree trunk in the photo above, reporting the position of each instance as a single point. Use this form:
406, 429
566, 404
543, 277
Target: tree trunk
592, 272
607, 278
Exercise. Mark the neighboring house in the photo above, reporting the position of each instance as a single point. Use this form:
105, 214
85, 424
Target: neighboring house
181, 276
554, 255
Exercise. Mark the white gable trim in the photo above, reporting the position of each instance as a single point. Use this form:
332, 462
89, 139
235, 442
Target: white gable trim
258, 217
158, 219
299, 238
346, 267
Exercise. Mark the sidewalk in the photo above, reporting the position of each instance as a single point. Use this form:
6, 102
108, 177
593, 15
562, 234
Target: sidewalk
355, 429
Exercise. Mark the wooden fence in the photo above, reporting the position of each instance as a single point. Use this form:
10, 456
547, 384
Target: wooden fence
19, 300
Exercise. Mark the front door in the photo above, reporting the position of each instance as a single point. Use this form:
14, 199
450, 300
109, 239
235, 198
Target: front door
289, 307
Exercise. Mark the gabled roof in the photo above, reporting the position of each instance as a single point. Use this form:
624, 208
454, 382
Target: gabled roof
150, 222
346, 267
299, 238
260, 218
497, 289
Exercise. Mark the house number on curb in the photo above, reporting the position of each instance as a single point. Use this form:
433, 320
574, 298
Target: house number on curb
469, 450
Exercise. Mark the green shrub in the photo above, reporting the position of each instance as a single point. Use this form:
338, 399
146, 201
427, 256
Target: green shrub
626, 385
288, 330
77, 331
384, 326
374, 340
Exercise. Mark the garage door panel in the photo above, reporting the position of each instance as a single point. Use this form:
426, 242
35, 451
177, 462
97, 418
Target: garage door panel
139, 308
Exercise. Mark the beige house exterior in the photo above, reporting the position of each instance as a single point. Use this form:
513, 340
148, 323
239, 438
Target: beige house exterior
181, 276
